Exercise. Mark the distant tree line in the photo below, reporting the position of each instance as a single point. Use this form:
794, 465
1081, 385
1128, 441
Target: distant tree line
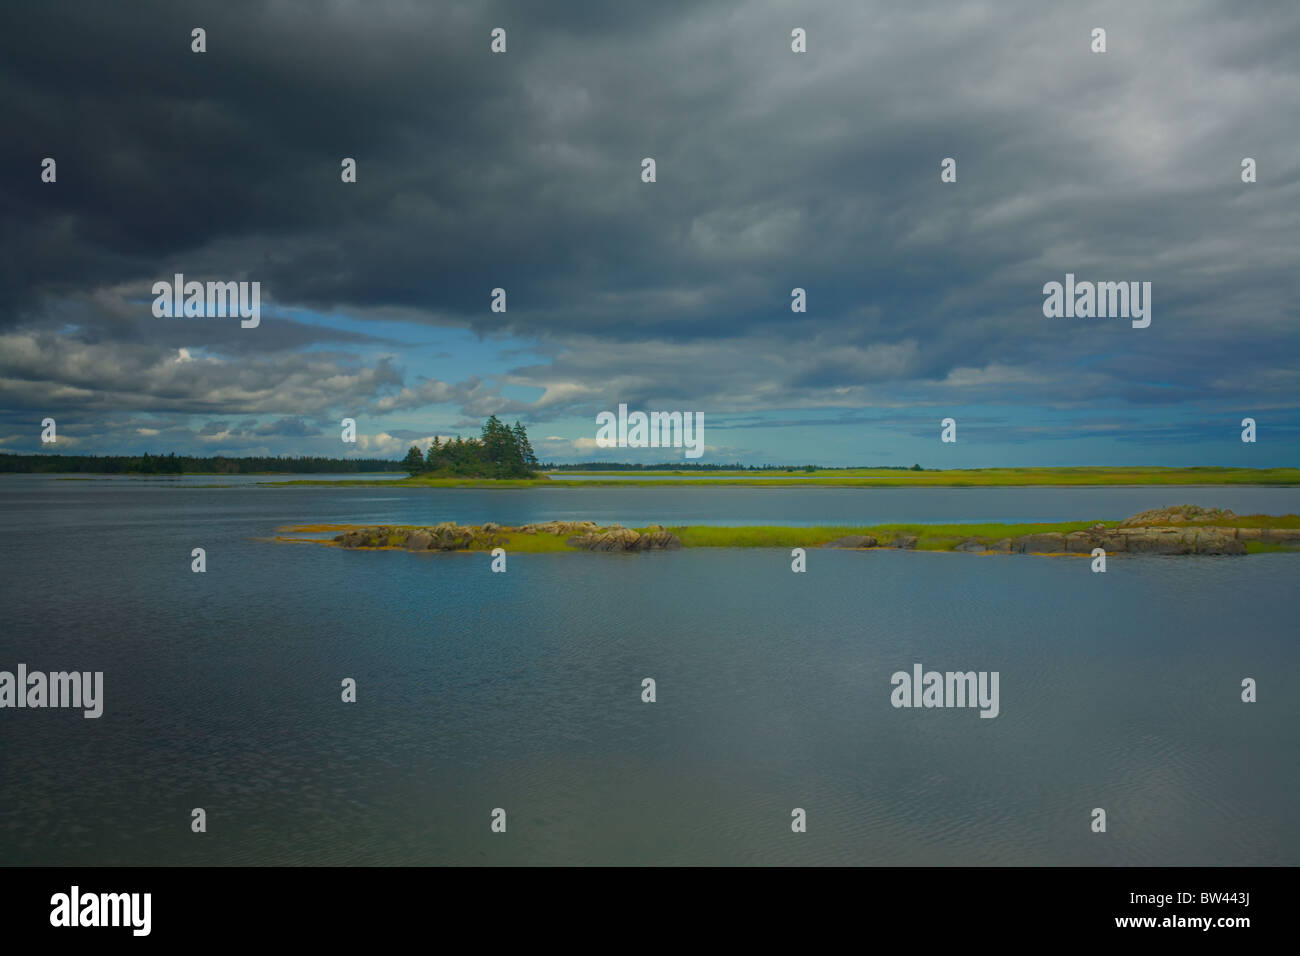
500, 452
174, 464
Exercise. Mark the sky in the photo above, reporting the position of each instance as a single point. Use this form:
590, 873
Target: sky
774, 170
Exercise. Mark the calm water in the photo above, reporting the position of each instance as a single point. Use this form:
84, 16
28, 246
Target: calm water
522, 690
263, 505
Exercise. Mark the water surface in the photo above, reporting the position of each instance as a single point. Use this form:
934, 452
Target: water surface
522, 691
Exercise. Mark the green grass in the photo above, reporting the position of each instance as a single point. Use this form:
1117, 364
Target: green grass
1268, 547
930, 537
960, 478
536, 543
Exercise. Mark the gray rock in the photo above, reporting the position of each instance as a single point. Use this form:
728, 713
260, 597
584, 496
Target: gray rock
658, 541
1157, 541
1081, 542
1179, 514
904, 541
615, 539
971, 544
1187, 540
624, 539
1215, 541
419, 541
1051, 542
353, 539
852, 541
618, 539
1113, 542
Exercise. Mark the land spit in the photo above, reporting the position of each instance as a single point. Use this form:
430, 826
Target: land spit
1184, 530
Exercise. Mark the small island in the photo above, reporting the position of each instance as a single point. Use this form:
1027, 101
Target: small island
1180, 530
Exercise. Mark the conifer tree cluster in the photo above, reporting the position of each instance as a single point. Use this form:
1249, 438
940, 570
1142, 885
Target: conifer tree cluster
499, 452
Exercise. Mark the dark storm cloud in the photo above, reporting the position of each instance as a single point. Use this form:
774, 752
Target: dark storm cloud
774, 171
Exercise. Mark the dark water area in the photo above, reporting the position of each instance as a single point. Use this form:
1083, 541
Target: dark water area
522, 690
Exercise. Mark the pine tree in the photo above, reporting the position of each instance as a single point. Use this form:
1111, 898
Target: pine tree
496, 447
414, 461
525, 447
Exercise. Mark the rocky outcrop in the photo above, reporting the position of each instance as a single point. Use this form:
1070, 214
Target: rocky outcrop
852, 541
625, 539
1217, 541
1182, 541
1052, 542
419, 541
619, 539
447, 536
1178, 514
1134, 536
1079, 542
1122, 540
1183, 529
658, 541
558, 527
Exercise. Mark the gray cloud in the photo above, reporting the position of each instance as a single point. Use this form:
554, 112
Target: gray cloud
774, 171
